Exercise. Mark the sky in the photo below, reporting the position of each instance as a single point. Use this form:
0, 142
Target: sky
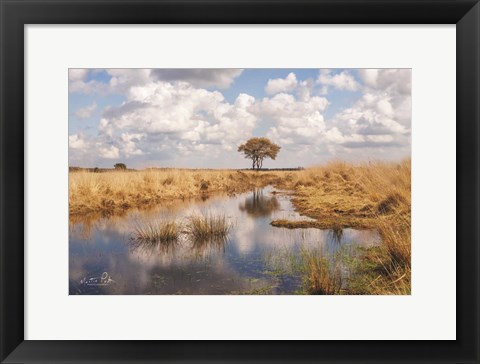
197, 118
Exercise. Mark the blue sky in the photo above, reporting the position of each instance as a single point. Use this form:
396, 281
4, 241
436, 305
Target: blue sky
196, 118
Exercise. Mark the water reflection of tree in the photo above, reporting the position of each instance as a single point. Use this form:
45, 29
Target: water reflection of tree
336, 234
259, 205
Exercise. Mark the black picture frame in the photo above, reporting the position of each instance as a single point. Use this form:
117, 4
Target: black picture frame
15, 14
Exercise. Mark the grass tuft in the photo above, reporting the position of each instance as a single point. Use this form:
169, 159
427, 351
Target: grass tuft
203, 228
396, 237
322, 276
154, 233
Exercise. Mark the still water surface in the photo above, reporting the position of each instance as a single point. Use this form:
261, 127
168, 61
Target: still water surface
103, 260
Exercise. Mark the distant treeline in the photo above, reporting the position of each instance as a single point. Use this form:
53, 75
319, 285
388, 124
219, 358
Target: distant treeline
101, 170
274, 169
95, 170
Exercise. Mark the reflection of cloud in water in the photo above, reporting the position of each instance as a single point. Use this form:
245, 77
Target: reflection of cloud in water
199, 268
163, 275
243, 232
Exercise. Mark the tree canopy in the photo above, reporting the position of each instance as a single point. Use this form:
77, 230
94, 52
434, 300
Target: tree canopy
257, 149
120, 166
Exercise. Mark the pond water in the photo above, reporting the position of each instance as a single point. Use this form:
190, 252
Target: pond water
104, 260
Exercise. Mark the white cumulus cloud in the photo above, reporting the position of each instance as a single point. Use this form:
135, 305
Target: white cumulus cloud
76, 141
122, 79
341, 81
200, 77
75, 74
110, 152
296, 120
87, 111
173, 118
281, 84
381, 118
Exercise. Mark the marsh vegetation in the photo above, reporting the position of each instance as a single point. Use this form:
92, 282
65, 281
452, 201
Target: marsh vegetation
335, 229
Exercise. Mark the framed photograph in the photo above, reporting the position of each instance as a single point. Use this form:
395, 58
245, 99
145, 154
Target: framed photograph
239, 181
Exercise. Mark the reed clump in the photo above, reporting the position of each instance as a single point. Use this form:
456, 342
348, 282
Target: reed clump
153, 233
208, 227
321, 274
395, 263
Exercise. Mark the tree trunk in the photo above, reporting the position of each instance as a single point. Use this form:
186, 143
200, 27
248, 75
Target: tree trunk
255, 163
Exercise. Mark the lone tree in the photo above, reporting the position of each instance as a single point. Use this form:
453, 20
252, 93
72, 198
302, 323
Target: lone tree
120, 166
257, 149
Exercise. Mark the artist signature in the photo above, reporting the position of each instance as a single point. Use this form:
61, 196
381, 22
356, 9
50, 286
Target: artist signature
103, 280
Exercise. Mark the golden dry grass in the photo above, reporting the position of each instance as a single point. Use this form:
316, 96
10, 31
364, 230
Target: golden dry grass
338, 192
116, 191
343, 195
